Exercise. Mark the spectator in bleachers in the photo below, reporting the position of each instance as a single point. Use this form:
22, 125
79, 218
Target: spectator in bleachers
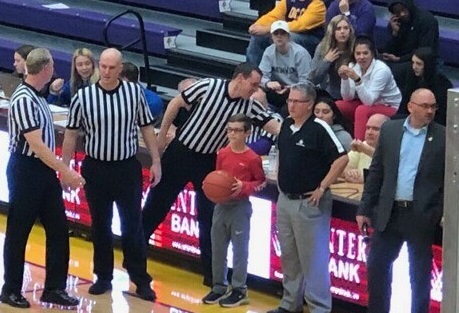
367, 87
305, 20
360, 13
326, 110
284, 63
20, 57
259, 139
84, 72
362, 151
423, 74
411, 28
130, 73
334, 50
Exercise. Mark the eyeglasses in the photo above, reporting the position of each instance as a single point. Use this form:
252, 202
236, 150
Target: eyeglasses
426, 106
234, 130
295, 101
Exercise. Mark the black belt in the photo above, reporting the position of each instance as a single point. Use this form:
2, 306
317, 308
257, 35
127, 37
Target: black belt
405, 204
297, 196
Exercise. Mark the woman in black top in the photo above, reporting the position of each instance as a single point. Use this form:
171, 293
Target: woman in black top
424, 74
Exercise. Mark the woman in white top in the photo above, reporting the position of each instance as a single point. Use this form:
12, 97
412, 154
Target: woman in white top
367, 87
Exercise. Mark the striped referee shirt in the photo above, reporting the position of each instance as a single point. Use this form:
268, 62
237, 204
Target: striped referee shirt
204, 130
257, 132
110, 120
29, 111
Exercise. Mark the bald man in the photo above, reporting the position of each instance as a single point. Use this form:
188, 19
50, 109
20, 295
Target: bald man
403, 201
362, 151
110, 113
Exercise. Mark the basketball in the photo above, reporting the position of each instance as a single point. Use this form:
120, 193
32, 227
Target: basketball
217, 186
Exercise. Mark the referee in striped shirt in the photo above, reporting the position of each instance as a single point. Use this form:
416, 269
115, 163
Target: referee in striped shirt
192, 153
109, 113
34, 189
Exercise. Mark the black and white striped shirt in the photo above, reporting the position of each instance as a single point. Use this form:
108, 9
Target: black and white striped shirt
110, 120
204, 131
29, 111
258, 132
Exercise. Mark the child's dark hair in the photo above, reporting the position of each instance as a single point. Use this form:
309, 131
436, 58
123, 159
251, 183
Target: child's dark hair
240, 117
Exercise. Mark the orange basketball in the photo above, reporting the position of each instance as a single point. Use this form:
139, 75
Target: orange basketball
217, 186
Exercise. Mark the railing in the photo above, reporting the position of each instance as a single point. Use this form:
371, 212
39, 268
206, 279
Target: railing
141, 39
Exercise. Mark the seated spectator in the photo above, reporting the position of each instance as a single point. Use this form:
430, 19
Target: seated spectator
130, 73
360, 13
326, 110
362, 151
259, 139
20, 57
284, 63
84, 72
423, 74
334, 50
367, 87
410, 28
305, 20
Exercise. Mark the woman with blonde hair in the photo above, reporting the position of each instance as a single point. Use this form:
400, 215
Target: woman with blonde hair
84, 72
334, 50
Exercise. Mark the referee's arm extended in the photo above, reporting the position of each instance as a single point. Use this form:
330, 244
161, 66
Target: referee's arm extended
169, 116
273, 126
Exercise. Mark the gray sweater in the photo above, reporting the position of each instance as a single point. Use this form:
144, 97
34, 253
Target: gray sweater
287, 69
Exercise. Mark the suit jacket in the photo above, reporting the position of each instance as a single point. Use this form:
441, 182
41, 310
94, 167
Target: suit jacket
380, 186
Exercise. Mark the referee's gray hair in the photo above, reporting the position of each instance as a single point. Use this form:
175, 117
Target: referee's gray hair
306, 90
37, 59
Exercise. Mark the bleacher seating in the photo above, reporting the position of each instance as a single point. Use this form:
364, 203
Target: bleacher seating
84, 25
87, 26
202, 8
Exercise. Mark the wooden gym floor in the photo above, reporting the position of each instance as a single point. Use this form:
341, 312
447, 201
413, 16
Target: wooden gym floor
178, 291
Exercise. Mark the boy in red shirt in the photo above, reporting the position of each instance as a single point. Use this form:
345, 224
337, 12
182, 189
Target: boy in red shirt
231, 220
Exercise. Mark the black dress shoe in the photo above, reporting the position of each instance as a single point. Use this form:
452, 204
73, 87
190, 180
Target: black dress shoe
100, 287
146, 293
59, 299
15, 299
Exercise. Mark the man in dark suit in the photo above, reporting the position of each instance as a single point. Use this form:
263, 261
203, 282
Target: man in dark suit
403, 201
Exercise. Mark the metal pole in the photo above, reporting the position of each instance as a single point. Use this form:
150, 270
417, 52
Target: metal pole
450, 301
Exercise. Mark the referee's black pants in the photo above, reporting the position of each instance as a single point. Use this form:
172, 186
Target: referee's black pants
34, 191
117, 182
181, 165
